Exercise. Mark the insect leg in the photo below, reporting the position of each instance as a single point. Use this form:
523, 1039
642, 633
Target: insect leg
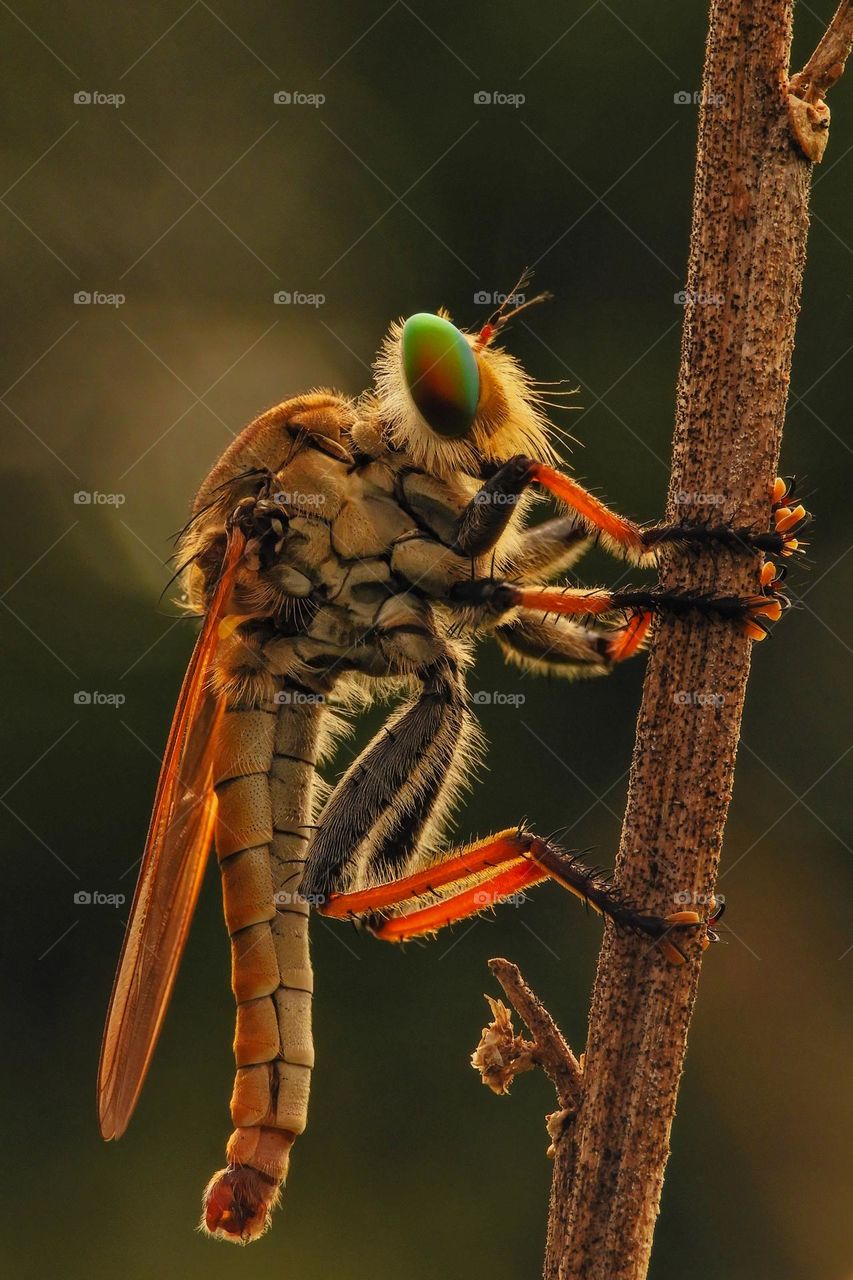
483, 521
753, 613
487, 515
542, 552
783, 539
482, 857
548, 549
487, 873
558, 646
375, 817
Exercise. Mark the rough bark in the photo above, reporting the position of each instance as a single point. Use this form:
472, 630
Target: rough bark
750, 220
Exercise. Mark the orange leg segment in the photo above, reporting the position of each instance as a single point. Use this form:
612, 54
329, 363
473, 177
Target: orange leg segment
506, 846
621, 531
628, 640
488, 893
506, 863
567, 601
753, 613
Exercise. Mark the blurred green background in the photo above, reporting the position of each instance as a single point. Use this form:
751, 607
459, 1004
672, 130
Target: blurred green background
198, 198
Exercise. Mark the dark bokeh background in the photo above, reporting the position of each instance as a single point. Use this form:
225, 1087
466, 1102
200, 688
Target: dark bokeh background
198, 198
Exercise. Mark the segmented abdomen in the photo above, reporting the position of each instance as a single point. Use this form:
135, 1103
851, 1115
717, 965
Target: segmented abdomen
265, 781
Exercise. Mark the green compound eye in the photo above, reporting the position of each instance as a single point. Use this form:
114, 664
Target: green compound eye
441, 374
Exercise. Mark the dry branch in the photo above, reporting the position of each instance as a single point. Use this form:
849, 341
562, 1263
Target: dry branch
757, 133
750, 220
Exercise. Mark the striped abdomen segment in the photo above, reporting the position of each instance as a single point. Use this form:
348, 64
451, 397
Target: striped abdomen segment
265, 775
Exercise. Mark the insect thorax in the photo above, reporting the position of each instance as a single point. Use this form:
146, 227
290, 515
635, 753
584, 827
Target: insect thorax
348, 553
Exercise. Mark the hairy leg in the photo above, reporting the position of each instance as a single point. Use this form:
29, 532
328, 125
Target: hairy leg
547, 550
489, 512
487, 598
558, 646
396, 792
484, 874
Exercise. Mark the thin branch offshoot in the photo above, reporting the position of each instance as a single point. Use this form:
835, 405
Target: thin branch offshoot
501, 1054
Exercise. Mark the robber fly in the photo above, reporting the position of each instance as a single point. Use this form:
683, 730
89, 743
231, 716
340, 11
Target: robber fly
342, 548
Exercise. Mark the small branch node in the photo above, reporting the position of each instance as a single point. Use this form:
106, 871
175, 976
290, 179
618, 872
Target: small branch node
558, 1124
809, 123
501, 1054
808, 113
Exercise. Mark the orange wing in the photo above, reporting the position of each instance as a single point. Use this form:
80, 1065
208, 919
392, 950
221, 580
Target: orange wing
173, 864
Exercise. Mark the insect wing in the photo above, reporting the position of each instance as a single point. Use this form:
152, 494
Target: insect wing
170, 877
